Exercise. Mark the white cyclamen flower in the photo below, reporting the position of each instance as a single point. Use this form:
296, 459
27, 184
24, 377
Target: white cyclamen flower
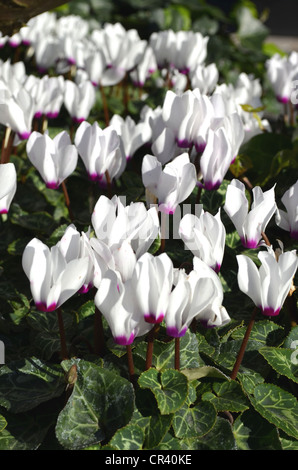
288, 219
269, 285
52, 280
171, 185
123, 233
98, 149
152, 280
55, 159
8, 186
79, 99
249, 223
204, 235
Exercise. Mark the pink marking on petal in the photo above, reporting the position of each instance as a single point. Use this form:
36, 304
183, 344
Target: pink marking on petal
216, 268
52, 115
294, 234
123, 341
252, 243
200, 147
173, 331
151, 318
270, 312
205, 324
24, 135
85, 288
283, 99
77, 120
42, 306
52, 185
183, 143
212, 186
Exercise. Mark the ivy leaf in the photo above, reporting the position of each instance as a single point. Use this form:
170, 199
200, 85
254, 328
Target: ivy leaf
220, 437
101, 402
164, 353
278, 406
26, 383
227, 396
170, 388
130, 437
3, 423
283, 361
194, 421
253, 432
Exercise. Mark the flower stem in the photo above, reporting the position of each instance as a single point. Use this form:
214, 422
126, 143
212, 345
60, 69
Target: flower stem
130, 363
150, 343
98, 333
7, 145
266, 239
63, 352
177, 353
105, 106
244, 344
67, 200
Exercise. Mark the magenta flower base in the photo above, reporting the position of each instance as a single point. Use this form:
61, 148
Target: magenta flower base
270, 312
152, 318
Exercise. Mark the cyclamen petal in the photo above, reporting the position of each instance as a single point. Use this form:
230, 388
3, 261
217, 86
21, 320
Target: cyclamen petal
8, 186
268, 286
173, 184
249, 224
288, 219
204, 235
55, 159
52, 280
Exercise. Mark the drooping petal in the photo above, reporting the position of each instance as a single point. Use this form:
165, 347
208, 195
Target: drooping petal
249, 279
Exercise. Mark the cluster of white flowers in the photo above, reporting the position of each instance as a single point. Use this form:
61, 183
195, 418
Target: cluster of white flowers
194, 136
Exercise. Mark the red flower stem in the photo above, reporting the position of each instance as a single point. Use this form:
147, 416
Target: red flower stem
7, 145
63, 352
105, 106
244, 344
163, 222
130, 363
98, 333
266, 239
109, 184
67, 200
177, 353
150, 344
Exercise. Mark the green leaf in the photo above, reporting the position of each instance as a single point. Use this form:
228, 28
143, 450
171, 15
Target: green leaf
220, 437
261, 150
194, 421
37, 222
283, 361
25, 431
3, 423
253, 432
157, 430
205, 371
130, 437
45, 331
263, 331
168, 443
101, 402
26, 383
164, 353
278, 406
170, 388
227, 396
